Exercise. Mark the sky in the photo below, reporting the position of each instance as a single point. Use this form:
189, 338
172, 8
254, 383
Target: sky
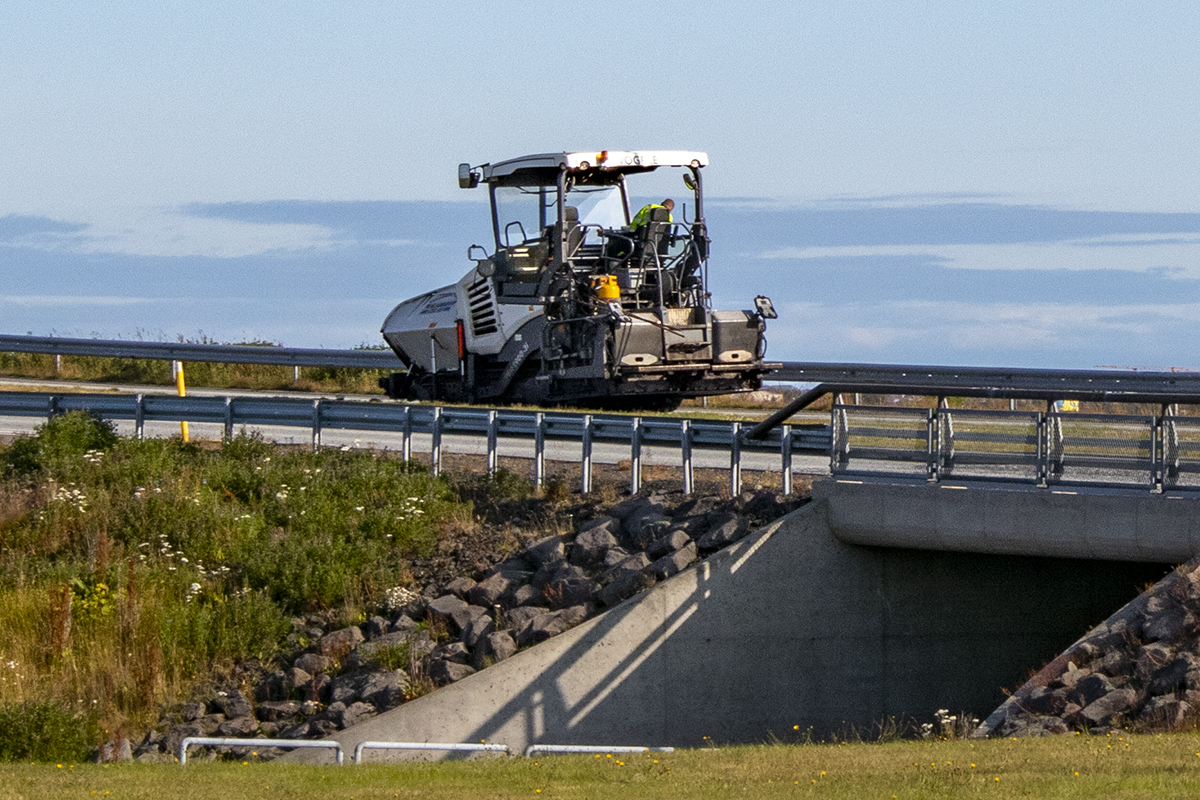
1007, 184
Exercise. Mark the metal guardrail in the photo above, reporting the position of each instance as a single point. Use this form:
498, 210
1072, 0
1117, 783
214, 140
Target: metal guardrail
1045, 448
319, 415
217, 353
569, 749
1052, 384
879, 378
218, 741
452, 747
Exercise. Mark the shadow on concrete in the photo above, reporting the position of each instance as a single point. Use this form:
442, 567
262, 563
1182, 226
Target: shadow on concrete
790, 628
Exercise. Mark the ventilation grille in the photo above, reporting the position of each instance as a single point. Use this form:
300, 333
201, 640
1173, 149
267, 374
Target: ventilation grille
483, 307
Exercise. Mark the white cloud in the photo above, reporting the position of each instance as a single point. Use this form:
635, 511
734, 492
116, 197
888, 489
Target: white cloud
60, 300
1139, 253
170, 232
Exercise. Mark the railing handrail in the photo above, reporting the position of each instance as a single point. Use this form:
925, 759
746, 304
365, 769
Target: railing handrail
568, 749
454, 747
223, 741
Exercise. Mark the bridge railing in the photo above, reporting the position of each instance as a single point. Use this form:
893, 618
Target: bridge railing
1050, 448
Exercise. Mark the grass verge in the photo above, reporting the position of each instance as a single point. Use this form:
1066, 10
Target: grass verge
1059, 767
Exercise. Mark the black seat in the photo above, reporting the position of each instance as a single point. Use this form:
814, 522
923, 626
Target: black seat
574, 237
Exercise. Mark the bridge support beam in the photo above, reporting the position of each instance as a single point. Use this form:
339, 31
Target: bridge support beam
1012, 519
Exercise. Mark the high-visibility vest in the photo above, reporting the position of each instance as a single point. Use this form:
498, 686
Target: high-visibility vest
643, 216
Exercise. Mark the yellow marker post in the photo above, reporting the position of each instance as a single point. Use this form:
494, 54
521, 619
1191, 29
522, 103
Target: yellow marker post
179, 385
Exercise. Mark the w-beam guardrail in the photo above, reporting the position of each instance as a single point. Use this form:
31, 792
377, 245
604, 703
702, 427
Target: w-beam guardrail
1159, 452
1094, 384
319, 415
215, 353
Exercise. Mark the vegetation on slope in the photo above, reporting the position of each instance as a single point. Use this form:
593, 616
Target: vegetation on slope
131, 569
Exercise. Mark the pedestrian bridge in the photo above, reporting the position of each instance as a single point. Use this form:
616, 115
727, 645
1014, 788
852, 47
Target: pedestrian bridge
880, 599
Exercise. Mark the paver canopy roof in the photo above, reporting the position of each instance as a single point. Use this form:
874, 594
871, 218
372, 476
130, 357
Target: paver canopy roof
544, 167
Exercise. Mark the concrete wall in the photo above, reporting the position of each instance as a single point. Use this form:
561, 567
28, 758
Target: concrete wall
789, 627
1011, 519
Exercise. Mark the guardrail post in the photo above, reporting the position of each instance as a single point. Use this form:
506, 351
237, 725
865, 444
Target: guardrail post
492, 435
139, 417
406, 439
685, 449
51, 407
316, 425
1157, 467
932, 454
1042, 449
228, 418
785, 458
435, 451
635, 456
1170, 436
839, 443
586, 455
539, 450
735, 459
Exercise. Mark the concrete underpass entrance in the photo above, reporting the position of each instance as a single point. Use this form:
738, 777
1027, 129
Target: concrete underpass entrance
791, 626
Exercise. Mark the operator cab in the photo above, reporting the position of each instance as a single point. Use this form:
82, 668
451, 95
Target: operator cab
562, 225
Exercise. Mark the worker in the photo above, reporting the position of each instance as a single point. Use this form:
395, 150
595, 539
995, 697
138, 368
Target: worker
642, 217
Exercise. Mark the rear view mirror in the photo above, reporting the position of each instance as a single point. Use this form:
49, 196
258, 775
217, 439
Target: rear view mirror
483, 264
466, 178
688, 182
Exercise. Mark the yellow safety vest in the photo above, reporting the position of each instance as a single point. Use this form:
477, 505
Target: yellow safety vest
643, 216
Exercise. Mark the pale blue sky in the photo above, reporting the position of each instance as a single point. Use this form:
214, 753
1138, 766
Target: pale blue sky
1087, 104
977, 150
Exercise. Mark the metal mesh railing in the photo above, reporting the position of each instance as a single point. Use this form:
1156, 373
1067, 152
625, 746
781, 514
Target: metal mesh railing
882, 440
1101, 449
1159, 452
996, 445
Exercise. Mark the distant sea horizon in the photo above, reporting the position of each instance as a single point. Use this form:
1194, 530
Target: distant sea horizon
943, 281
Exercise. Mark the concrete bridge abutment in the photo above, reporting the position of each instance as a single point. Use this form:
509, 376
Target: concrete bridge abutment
790, 627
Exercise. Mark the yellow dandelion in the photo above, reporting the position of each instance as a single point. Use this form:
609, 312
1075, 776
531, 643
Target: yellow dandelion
997, 779
60, 766
972, 766
795, 727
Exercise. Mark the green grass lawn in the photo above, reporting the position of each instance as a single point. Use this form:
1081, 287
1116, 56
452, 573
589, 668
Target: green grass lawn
1118, 766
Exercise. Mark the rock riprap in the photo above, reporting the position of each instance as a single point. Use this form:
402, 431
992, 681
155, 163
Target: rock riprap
338, 677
